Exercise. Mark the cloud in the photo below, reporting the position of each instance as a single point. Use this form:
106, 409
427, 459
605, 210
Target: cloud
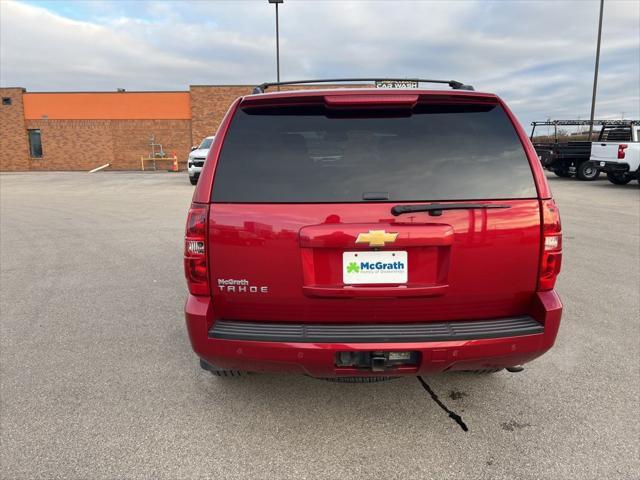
537, 55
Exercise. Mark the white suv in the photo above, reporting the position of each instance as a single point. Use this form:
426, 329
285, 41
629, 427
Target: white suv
197, 158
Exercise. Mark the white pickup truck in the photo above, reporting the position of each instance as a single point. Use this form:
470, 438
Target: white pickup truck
618, 153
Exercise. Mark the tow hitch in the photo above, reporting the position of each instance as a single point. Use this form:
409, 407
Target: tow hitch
377, 361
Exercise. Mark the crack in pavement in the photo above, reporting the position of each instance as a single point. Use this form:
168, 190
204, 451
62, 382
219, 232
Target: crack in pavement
454, 416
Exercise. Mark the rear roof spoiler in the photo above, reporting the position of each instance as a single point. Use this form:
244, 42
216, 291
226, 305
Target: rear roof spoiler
454, 84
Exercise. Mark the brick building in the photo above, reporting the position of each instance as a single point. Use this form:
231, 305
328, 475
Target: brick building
83, 130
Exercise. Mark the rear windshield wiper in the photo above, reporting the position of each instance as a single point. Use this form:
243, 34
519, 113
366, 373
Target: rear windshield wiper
435, 209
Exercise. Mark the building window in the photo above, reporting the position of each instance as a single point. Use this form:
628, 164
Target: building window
35, 143
6, 100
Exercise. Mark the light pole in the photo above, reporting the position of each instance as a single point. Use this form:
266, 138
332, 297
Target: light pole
595, 73
276, 2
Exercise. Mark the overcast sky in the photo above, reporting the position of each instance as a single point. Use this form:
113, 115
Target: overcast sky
538, 55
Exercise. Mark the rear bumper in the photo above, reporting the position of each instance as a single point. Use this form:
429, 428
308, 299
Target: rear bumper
439, 350
193, 170
610, 167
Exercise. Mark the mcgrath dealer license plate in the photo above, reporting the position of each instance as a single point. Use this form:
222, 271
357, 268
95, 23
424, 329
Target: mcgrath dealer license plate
374, 267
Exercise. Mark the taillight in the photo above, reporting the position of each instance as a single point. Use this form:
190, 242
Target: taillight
551, 255
621, 148
195, 250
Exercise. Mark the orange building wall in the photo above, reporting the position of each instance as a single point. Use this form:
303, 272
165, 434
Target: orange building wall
81, 131
107, 106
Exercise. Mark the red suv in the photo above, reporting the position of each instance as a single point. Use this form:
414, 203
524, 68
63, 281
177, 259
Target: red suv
362, 232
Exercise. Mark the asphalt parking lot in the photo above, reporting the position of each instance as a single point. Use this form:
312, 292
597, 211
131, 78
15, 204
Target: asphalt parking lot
98, 379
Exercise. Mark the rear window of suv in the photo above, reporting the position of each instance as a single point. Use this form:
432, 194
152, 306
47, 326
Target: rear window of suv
312, 154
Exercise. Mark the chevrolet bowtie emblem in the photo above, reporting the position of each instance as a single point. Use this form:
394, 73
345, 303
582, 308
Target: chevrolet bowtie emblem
376, 238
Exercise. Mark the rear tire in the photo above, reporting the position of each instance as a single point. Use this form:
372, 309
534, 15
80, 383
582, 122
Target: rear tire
562, 172
193, 180
221, 372
619, 178
587, 172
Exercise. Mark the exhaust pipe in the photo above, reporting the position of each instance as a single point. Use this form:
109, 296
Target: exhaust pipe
515, 369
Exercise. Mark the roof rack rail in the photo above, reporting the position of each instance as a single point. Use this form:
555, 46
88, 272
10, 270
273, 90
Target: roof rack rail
585, 122
452, 83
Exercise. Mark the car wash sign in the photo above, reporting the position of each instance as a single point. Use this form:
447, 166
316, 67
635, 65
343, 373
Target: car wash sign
396, 84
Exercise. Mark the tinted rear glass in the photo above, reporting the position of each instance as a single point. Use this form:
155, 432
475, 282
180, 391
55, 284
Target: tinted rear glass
311, 154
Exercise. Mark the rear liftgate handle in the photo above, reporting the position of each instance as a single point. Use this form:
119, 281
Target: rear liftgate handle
363, 292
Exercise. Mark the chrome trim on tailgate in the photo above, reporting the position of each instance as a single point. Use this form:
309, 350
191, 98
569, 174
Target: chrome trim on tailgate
382, 332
